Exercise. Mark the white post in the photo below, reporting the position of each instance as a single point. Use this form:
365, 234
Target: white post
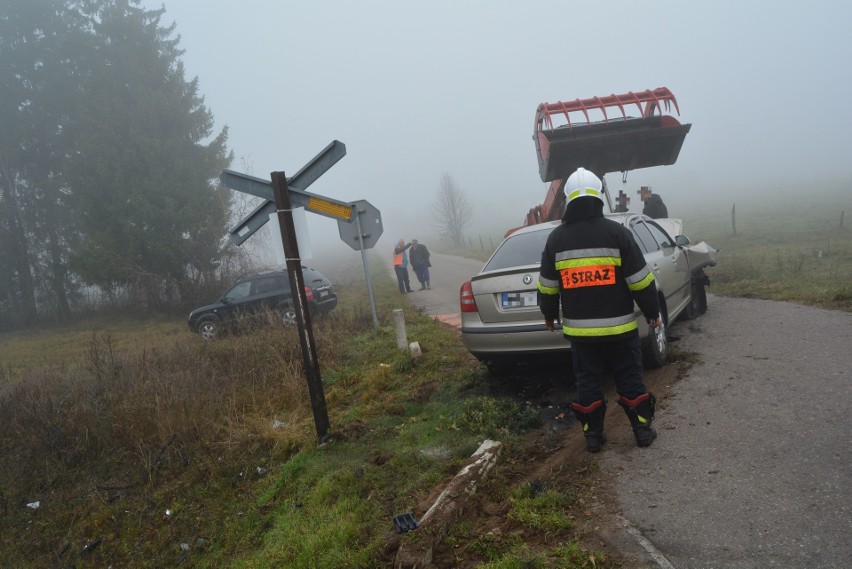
401, 336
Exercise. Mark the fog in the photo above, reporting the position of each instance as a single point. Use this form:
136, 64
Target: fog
418, 89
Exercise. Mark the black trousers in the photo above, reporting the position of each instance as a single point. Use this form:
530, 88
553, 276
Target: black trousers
422, 273
402, 279
621, 358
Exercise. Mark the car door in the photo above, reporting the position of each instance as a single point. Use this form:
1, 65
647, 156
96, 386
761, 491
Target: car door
233, 302
681, 288
266, 293
668, 261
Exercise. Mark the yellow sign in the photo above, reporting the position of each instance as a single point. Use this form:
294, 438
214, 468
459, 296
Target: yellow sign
331, 209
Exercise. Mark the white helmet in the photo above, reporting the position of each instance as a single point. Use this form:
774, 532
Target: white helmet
583, 183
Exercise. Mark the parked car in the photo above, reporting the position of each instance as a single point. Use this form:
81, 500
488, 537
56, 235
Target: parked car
501, 319
252, 299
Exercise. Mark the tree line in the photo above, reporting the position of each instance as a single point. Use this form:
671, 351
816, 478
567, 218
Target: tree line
108, 158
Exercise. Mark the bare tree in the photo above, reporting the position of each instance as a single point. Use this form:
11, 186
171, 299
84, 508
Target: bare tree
452, 211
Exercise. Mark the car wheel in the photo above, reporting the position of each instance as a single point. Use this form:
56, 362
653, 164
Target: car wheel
700, 293
655, 348
697, 298
692, 310
208, 329
288, 315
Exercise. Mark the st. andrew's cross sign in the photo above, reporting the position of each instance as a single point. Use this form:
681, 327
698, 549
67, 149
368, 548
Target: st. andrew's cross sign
342, 211
281, 195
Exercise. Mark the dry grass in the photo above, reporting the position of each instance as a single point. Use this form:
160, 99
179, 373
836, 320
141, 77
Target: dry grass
166, 449
59, 346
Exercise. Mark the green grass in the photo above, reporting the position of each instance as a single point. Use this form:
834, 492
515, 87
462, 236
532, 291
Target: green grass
146, 447
563, 556
541, 509
784, 249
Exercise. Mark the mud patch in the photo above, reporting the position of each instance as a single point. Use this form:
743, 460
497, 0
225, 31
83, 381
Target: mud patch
553, 457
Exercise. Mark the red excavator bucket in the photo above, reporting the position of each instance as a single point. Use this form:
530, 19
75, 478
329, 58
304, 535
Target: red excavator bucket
598, 134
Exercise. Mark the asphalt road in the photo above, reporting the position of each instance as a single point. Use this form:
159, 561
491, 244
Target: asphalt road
447, 275
752, 468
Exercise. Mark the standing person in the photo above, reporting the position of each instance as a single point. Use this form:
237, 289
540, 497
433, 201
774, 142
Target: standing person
400, 265
594, 268
419, 256
655, 208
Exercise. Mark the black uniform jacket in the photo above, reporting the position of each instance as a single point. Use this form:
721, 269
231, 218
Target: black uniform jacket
595, 268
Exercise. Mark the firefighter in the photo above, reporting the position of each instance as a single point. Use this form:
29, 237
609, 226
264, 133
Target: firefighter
594, 268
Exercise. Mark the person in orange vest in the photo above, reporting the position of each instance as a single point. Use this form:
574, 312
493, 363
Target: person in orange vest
400, 265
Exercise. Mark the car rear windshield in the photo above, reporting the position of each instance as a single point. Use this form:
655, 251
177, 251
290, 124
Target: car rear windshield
519, 250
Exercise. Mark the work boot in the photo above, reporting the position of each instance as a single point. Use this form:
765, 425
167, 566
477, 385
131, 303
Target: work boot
640, 411
428, 285
591, 417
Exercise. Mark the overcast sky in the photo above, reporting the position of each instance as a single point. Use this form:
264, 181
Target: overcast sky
416, 89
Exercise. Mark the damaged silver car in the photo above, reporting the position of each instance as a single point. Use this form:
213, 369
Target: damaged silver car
501, 320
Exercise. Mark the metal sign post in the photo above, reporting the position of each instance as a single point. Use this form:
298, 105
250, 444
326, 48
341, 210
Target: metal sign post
362, 235
303, 314
367, 273
281, 196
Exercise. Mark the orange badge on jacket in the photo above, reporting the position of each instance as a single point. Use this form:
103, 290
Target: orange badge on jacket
598, 275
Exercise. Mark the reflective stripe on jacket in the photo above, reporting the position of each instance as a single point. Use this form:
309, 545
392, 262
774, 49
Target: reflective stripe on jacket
595, 270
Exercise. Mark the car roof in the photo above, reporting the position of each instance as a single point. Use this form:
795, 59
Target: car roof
620, 217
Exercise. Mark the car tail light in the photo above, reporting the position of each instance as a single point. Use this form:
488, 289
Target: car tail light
466, 300
309, 292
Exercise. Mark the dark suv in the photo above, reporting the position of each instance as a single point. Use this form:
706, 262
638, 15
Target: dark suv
252, 299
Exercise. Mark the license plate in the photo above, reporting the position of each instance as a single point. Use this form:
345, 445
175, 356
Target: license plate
323, 294
519, 299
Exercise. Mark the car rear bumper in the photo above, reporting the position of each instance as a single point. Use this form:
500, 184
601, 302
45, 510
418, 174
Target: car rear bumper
491, 341
485, 341
325, 304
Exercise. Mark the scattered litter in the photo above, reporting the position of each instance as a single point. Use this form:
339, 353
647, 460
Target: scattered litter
168, 512
184, 546
416, 351
34, 505
277, 424
89, 547
405, 522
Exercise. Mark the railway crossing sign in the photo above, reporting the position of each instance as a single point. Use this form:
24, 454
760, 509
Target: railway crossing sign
296, 186
360, 225
281, 195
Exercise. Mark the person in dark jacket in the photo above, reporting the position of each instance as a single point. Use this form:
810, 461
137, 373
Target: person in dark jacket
419, 256
655, 208
593, 267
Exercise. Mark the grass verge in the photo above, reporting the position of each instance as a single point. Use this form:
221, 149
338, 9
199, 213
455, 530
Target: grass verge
167, 450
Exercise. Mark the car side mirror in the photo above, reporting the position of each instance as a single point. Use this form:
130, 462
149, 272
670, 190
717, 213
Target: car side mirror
682, 240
